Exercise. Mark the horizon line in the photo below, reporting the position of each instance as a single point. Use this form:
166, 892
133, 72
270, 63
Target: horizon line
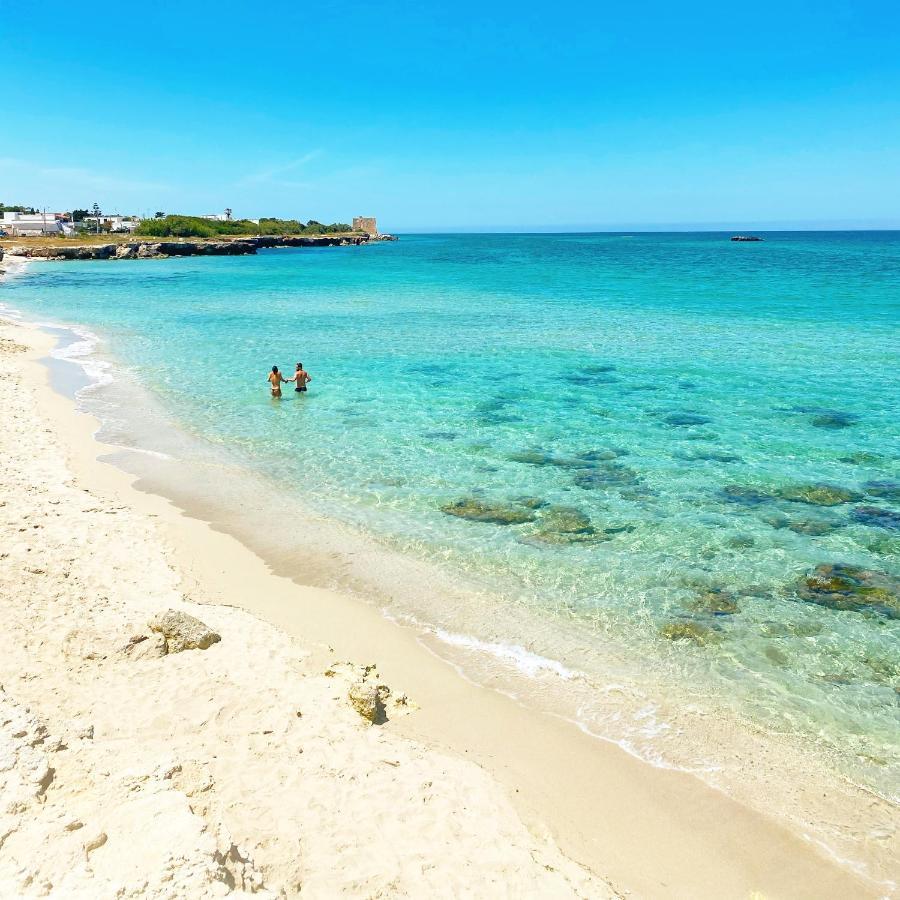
642, 229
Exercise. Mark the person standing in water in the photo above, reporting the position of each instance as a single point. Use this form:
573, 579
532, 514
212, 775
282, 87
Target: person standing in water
301, 378
276, 379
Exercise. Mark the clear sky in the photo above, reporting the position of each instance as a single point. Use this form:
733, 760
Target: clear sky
441, 116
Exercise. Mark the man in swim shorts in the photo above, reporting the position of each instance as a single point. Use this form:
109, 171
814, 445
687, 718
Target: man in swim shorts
301, 378
276, 379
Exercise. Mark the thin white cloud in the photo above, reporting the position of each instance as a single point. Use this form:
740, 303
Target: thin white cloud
273, 172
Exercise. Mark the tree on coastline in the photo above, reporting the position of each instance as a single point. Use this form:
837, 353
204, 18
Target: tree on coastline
195, 226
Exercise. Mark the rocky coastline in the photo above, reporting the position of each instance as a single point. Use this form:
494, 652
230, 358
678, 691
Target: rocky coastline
156, 249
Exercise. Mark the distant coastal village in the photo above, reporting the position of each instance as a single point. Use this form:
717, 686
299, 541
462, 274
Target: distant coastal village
93, 234
27, 221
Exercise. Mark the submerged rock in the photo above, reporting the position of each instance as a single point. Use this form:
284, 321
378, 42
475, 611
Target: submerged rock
708, 456
532, 458
776, 520
569, 525
792, 629
494, 513
638, 494
558, 538
877, 517
608, 455
841, 586
743, 494
581, 461
687, 630
817, 494
605, 476
589, 379
183, 632
740, 541
885, 545
531, 502
566, 519
441, 435
883, 489
813, 527
686, 419
776, 655
716, 602
494, 412
498, 418
824, 417
862, 458
834, 419
886, 669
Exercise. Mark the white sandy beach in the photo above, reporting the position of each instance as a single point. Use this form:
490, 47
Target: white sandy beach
241, 768
126, 770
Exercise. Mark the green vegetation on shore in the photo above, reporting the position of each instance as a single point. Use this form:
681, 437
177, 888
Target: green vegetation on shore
194, 226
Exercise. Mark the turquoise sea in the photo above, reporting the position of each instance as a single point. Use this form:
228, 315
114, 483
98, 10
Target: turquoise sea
662, 465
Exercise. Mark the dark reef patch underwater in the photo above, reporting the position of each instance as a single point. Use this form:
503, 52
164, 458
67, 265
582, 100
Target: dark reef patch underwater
843, 587
877, 517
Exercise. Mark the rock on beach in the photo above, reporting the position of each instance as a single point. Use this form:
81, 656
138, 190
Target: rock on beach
367, 698
183, 632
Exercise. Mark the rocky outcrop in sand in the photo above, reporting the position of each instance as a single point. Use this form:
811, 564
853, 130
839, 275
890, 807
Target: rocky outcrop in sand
367, 698
183, 632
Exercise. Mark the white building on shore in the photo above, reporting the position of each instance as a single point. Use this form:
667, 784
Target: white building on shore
115, 224
20, 224
219, 217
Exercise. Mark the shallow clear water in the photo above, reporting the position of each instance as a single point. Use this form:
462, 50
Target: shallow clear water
676, 395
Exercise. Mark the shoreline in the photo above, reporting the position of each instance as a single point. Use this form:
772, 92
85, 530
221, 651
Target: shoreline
694, 831
157, 248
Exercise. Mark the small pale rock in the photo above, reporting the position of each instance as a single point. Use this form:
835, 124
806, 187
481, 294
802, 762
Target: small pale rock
183, 632
84, 731
145, 646
95, 842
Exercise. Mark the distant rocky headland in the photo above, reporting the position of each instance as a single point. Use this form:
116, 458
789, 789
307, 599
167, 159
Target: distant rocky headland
136, 248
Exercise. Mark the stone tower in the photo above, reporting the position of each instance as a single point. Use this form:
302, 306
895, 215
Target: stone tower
366, 224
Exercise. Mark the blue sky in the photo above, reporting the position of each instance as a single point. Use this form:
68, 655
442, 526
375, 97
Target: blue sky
459, 116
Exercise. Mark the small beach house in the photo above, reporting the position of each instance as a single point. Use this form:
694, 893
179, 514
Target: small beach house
20, 224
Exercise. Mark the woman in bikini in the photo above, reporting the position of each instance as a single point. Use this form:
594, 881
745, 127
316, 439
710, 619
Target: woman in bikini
276, 379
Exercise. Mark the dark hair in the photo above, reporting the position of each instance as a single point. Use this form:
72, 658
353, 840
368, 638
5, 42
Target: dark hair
299, 365
274, 368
